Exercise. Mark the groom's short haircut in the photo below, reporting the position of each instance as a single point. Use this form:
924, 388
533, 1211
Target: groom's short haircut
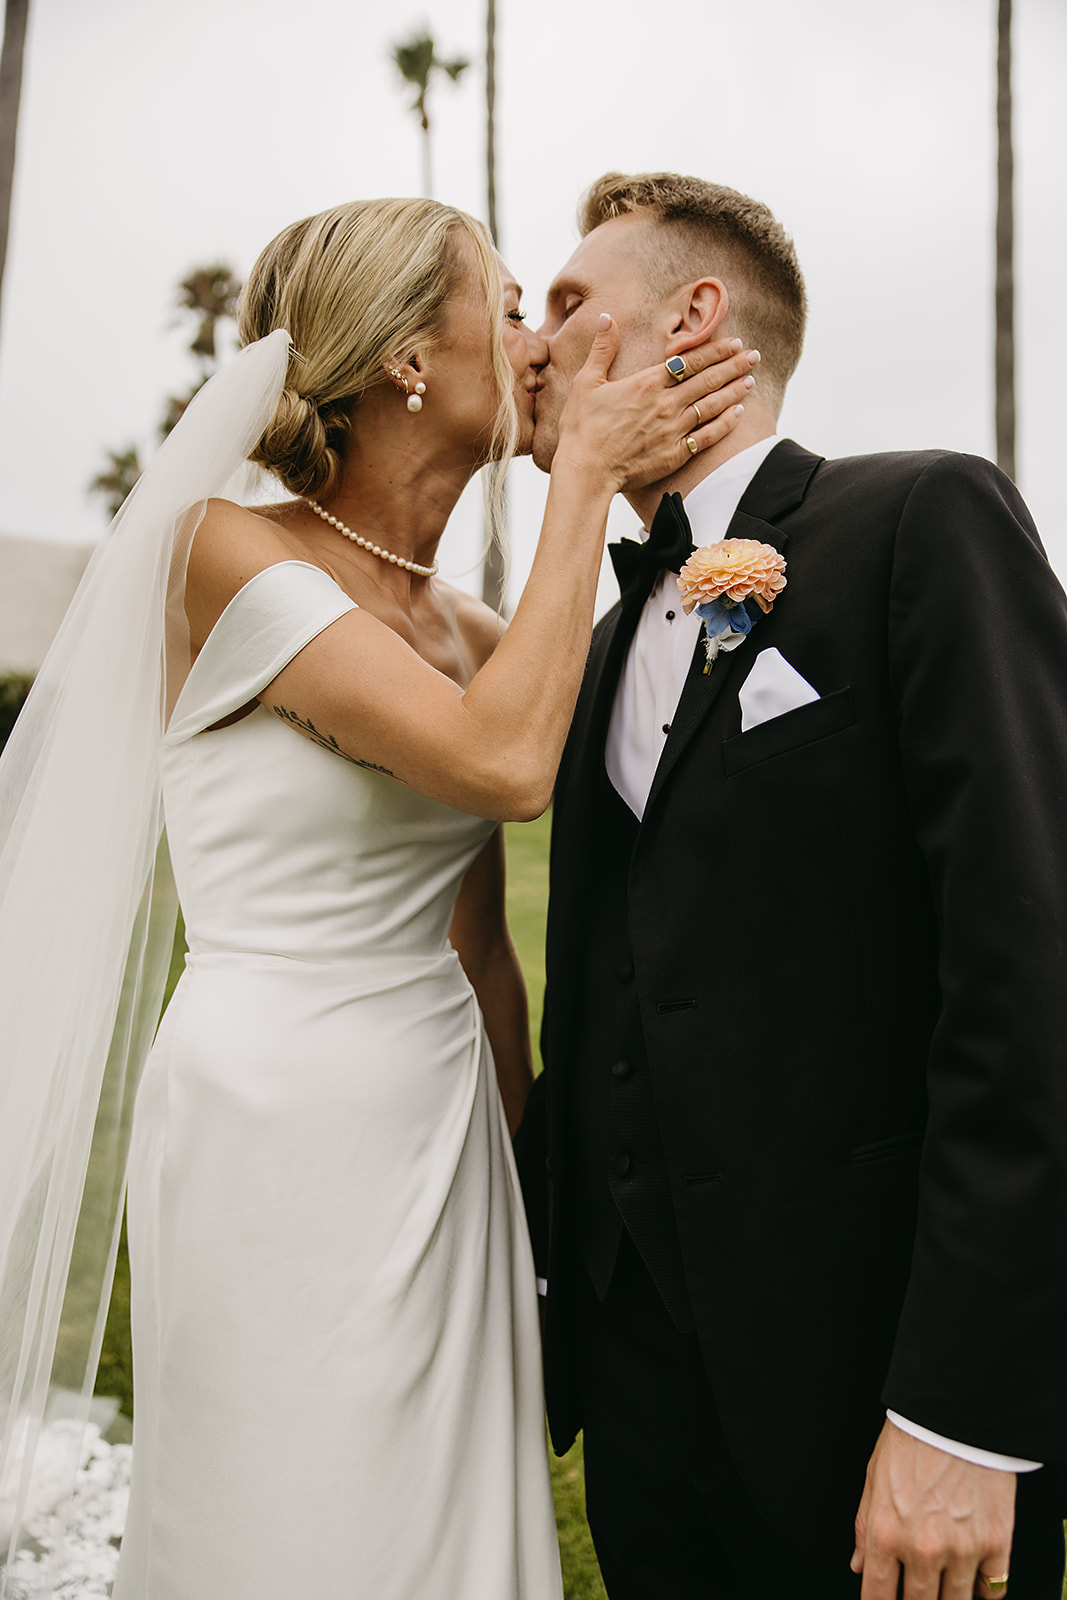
707, 230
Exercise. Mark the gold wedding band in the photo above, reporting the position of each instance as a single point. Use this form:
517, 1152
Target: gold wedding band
692, 445
676, 367
696, 408
994, 1585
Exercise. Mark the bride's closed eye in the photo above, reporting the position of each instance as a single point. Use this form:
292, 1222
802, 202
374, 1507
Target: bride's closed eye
515, 316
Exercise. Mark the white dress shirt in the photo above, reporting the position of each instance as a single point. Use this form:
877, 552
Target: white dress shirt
662, 649
650, 687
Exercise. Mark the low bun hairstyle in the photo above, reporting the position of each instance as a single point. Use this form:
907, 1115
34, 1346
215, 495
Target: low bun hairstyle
355, 287
300, 446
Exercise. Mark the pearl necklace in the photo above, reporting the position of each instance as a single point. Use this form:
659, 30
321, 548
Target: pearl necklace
375, 549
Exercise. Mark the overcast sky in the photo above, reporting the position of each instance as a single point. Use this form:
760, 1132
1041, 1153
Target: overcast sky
158, 136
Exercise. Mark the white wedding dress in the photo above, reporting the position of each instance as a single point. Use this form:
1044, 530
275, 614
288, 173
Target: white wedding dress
337, 1358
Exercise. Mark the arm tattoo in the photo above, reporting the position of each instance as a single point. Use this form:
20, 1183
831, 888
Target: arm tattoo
328, 742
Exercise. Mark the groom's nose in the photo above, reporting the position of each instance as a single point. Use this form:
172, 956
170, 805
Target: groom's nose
539, 353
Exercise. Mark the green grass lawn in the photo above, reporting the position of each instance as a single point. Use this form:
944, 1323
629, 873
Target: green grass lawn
527, 896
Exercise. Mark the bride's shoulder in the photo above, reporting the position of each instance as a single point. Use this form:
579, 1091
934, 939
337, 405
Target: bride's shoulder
231, 544
479, 626
226, 520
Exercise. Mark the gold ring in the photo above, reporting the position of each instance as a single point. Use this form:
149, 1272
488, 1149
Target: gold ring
676, 367
692, 444
994, 1585
696, 408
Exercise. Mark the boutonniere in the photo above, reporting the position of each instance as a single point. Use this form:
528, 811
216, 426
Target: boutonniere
730, 585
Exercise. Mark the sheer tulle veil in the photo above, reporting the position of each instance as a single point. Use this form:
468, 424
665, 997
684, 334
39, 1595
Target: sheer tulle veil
87, 909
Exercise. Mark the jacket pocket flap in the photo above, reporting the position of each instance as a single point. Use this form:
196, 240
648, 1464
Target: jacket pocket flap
793, 729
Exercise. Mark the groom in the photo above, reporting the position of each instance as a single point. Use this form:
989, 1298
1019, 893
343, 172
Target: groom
805, 1095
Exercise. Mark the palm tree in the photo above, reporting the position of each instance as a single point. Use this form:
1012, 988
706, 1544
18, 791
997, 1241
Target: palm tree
209, 295
490, 116
118, 477
1004, 362
417, 61
493, 565
15, 16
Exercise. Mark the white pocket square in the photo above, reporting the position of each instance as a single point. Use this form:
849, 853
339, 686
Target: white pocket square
771, 689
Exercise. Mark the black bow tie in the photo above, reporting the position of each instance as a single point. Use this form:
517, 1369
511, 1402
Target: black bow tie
667, 548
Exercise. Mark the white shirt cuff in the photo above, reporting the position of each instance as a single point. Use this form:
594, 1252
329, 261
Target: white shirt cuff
966, 1452
542, 1285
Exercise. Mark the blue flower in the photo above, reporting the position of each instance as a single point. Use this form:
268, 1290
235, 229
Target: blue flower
719, 617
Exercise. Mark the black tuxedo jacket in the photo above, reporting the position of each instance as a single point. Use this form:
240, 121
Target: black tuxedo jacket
849, 945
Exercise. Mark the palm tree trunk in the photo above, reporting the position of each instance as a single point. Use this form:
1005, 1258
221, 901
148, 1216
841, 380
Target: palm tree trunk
490, 116
15, 15
1005, 246
427, 162
493, 565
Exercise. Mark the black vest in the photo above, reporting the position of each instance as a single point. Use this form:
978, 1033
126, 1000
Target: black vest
616, 1166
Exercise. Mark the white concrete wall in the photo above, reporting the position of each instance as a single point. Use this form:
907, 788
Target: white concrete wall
38, 577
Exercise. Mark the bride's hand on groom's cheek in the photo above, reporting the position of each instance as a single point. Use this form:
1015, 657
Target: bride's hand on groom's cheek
693, 411
646, 426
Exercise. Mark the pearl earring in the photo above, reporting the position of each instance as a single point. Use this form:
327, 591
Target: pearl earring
415, 400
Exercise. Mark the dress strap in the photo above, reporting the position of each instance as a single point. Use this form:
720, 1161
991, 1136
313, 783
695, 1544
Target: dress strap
279, 611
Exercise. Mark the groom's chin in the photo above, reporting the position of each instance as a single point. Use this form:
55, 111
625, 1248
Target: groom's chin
542, 450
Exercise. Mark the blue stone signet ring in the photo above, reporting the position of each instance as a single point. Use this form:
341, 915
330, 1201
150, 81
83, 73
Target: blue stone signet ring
676, 367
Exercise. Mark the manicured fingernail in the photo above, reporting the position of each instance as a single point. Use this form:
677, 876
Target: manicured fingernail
738, 410
605, 322
735, 344
749, 383
754, 356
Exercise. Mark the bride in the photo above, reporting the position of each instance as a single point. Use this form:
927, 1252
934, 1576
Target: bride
337, 1363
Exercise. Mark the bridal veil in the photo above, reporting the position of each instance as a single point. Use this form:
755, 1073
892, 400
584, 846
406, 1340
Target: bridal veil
88, 909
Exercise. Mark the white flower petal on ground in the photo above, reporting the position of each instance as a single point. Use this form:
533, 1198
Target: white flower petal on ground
71, 1550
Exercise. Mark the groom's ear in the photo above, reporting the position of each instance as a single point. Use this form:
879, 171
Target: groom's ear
698, 312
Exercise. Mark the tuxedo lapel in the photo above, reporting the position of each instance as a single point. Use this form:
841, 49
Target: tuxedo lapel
614, 642
584, 758
579, 780
778, 487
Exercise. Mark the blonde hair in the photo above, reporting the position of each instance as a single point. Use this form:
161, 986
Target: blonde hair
707, 228
355, 287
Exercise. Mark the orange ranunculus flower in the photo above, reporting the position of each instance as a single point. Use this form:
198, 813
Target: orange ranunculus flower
735, 570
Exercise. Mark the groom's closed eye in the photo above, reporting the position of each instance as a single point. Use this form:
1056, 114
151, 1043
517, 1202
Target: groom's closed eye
563, 300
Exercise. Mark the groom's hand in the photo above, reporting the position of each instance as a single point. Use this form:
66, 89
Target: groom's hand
940, 1521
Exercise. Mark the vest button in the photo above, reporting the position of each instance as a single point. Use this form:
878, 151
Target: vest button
621, 1069
621, 1166
625, 972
